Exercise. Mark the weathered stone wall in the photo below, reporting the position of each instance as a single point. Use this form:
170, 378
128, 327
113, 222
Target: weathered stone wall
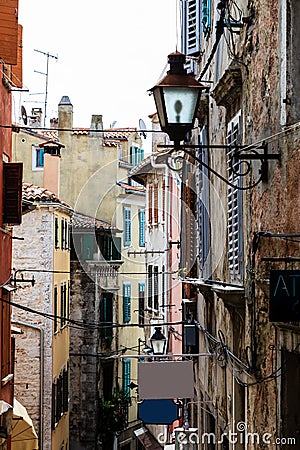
34, 252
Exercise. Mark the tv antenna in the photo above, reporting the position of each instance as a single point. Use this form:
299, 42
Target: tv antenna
48, 55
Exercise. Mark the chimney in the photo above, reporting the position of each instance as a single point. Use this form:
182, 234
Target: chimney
96, 126
65, 113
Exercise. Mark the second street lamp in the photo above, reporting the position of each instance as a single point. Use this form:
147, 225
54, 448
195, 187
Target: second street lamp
158, 342
177, 98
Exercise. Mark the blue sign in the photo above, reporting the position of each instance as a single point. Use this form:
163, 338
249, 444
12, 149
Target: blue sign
162, 412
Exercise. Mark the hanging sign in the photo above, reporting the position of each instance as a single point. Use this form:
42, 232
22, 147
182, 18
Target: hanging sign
162, 412
284, 296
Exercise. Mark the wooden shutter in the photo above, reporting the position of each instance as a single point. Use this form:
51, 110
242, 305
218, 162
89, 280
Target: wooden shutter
141, 303
65, 382
56, 240
155, 202
191, 27
12, 193
126, 376
150, 286
126, 302
141, 227
9, 31
235, 204
116, 248
150, 211
206, 17
55, 312
127, 226
155, 287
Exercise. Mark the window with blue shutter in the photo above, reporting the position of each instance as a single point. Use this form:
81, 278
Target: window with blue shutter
39, 162
127, 226
206, 17
126, 302
191, 27
142, 228
126, 377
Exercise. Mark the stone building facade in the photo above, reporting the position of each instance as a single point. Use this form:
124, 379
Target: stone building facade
42, 254
242, 266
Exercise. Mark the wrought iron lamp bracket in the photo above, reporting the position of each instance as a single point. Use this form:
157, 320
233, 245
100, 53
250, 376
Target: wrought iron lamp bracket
240, 162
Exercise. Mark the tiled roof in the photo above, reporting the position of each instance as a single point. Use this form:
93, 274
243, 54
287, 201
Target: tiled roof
43, 134
127, 187
119, 134
35, 193
90, 223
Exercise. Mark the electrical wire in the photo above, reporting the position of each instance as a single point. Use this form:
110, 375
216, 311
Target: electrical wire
83, 324
225, 358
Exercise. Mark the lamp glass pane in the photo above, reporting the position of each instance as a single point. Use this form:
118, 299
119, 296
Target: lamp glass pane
180, 104
158, 346
159, 105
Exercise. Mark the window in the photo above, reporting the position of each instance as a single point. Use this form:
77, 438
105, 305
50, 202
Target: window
55, 307
110, 247
191, 27
60, 397
155, 212
163, 199
142, 228
63, 304
5, 335
127, 226
12, 193
126, 302
64, 234
206, 17
106, 315
235, 202
126, 377
141, 303
155, 288
136, 155
150, 286
150, 211
37, 158
56, 226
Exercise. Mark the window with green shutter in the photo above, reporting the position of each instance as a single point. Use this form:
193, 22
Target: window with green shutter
142, 228
126, 302
127, 226
126, 376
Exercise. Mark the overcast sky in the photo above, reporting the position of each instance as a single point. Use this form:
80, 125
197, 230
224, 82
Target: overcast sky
109, 54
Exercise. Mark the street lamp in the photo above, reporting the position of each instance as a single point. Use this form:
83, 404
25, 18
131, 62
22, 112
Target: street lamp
177, 98
158, 342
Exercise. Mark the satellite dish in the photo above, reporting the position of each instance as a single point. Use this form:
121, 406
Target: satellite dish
24, 115
142, 126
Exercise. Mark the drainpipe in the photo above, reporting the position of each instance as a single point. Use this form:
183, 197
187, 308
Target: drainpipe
41, 331
167, 215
